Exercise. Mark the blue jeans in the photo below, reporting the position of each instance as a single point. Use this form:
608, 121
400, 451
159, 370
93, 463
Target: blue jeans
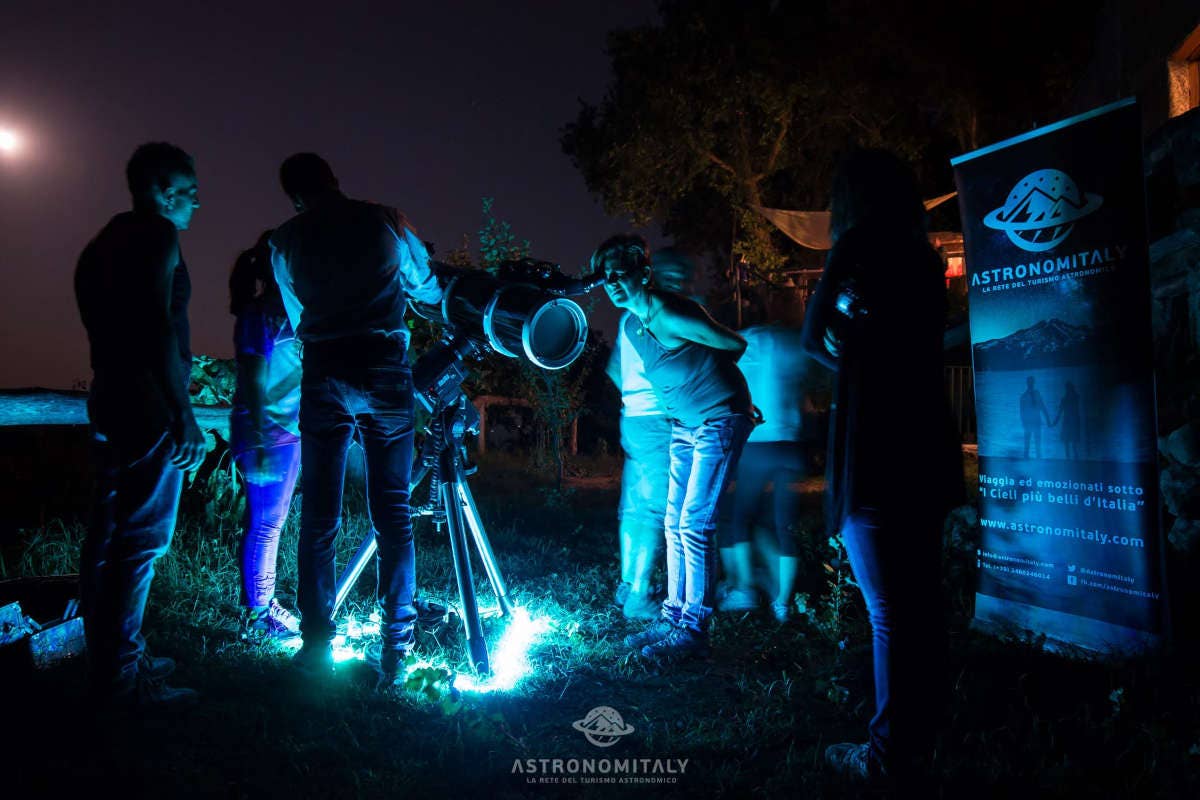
703, 459
897, 563
646, 442
267, 504
361, 385
133, 518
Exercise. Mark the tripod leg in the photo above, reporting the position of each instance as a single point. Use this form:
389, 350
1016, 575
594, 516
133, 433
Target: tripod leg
482, 544
362, 557
476, 646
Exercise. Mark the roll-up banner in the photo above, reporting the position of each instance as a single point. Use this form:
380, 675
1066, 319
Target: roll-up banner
1054, 224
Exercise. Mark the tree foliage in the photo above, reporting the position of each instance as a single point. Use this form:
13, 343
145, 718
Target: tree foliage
723, 105
556, 397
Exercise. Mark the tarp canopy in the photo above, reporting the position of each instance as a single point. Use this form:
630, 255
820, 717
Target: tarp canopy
811, 228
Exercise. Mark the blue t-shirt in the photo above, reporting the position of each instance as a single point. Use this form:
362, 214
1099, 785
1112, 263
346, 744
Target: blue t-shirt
774, 366
269, 336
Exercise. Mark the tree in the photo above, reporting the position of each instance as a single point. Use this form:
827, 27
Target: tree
555, 396
724, 105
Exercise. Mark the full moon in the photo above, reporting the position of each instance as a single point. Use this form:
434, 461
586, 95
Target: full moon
9, 141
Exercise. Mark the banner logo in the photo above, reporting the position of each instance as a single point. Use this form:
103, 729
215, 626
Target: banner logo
1042, 209
603, 726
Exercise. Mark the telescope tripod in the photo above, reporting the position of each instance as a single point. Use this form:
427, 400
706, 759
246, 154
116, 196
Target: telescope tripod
443, 459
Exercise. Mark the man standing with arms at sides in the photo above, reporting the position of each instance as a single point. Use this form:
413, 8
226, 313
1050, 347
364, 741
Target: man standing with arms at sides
132, 288
346, 269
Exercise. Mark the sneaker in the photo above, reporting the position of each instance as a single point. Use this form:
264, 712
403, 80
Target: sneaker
622, 594
783, 612
855, 762
431, 614
680, 643
314, 660
274, 623
656, 631
155, 668
738, 600
639, 605
388, 663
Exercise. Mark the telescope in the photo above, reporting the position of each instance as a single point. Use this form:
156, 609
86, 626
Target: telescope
522, 311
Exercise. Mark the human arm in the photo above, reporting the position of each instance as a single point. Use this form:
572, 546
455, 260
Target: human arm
674, 320
254, 344
287, 287
188, 444
416, 274
817, 315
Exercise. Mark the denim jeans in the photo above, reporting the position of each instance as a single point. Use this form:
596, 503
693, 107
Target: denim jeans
267, 504
703, 459
897, 563
645, 476
362, 386
133, 518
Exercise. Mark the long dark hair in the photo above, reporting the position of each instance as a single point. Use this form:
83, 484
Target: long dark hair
252, 279
875, 188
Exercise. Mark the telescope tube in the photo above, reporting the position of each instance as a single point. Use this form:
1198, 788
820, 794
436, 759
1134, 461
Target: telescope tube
517, 320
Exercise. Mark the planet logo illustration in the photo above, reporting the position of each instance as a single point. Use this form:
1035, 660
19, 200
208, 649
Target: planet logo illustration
1041, 210
602, 726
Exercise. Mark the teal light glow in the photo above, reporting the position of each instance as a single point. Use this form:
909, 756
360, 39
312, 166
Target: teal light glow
509, 654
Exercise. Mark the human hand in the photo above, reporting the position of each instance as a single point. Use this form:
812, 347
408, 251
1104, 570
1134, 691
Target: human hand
189, 445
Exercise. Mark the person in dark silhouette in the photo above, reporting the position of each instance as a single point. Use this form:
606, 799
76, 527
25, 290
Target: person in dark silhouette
346, 269
1033, 412
894, 463
132, 288
264, 434
1068, 415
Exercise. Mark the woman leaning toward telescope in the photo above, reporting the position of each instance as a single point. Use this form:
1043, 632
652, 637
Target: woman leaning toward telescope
691, 364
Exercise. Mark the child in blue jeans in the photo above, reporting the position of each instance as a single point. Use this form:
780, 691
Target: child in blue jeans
264, 434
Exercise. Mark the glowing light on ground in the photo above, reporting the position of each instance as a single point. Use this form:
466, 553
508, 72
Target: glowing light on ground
10, 142
509, 655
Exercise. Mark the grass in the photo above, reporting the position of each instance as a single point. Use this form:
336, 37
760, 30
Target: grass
752, 721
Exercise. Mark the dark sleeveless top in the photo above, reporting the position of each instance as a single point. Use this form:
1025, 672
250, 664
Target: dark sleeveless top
115, 287
693, 382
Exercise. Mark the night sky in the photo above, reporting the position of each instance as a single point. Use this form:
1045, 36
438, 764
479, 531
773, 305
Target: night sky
428, 107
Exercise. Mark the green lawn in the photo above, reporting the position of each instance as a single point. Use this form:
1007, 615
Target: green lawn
752, 721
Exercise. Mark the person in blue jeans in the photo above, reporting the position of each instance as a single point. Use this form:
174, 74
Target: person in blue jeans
646, 444
774, 366
690, 362
132, 289
346, 269
894, 466
264, 434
